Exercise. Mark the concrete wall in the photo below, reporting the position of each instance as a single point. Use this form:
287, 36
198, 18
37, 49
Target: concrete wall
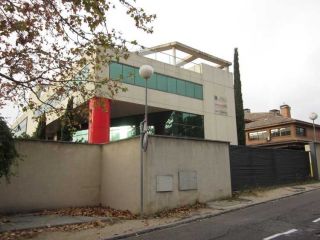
218, 83
56, 175
167, 156
120, 177
53, 175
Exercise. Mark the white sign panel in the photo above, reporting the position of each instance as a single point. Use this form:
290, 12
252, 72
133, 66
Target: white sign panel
220, 105
187, 180
165, 183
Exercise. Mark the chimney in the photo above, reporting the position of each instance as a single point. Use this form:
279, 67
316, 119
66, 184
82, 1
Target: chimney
247, 110
285, 110
275, 111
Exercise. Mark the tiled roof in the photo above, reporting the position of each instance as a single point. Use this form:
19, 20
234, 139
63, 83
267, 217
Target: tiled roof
265, 119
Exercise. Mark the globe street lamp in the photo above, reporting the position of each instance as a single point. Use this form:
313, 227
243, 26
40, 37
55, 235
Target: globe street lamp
145, 72
313, 116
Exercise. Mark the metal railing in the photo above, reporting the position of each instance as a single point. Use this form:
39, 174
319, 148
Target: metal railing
173, 60
166, 58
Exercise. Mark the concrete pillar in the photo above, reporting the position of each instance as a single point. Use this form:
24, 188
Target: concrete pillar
315, 159
174, 56
99, 120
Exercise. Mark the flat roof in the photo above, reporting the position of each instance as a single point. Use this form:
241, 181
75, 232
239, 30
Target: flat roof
193, 54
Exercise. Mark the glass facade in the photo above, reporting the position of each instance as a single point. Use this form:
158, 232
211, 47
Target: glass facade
123, 132
172, 123
160, 82
183, 124
80, 136
116, 133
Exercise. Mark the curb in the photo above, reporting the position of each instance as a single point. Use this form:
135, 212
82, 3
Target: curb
202, 217
46, 226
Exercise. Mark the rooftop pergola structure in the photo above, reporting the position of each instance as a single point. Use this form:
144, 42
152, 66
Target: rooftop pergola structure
193, 54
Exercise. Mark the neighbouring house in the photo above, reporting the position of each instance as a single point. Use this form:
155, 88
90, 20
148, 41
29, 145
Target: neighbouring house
277, 129
190, 94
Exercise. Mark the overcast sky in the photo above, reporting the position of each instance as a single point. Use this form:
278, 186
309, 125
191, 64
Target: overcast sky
278, 43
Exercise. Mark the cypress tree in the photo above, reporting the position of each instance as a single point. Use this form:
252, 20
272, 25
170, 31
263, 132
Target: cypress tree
238, 100
40, 132
67, 122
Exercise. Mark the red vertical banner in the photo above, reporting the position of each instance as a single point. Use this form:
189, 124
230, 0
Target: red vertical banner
99, 120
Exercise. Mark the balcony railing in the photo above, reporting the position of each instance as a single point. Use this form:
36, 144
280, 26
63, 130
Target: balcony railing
173, 60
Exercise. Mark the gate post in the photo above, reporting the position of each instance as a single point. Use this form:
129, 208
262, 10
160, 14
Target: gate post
315, 159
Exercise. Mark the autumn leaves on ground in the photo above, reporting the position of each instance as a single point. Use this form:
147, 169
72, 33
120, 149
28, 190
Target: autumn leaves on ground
114, 215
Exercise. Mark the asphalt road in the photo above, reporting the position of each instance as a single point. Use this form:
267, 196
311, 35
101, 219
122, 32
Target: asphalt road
296, 217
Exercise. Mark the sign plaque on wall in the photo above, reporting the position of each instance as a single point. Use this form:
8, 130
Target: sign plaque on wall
187, 180
164, 183
220, 105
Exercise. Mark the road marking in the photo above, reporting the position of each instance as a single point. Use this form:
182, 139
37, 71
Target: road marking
279, 234
316, 220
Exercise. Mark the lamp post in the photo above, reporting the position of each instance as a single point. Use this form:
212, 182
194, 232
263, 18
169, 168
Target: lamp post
145, 72
313, 116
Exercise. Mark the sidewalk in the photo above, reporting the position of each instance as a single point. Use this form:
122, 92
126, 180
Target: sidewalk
29, 221
51, 227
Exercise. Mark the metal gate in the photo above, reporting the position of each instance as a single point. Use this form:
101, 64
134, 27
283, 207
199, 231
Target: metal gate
253, 167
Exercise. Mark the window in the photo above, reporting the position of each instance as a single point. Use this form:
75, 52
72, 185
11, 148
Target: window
80, 136
277, 132
160, 82
300, 131
138, 80
122, 132
198, 91
285, 131
258, 135
115, 71
172, 85
128, 74
185, 125
152, 82
181, 87
190, 89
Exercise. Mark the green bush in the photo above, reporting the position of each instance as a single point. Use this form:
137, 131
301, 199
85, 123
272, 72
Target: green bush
8, 152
